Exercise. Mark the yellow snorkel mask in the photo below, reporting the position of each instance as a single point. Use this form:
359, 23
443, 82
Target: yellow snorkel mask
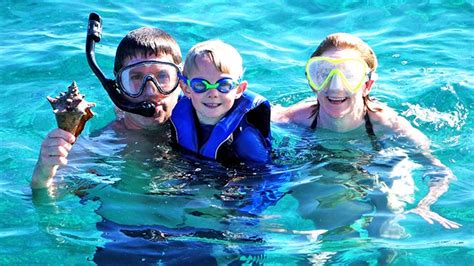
353, 72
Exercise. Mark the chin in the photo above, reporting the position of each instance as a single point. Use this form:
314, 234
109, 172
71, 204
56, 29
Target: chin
337, 113
160, 120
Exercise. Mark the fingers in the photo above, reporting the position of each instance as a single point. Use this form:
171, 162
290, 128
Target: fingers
426, 217
55, 155
454, 225
443, 221
448, 224
431, 216
63, 134
55, 148
425, 214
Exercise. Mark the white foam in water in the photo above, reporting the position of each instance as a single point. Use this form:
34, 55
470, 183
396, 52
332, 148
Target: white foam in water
433, 116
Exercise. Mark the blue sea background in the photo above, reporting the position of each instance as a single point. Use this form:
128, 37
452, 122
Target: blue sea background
425, 72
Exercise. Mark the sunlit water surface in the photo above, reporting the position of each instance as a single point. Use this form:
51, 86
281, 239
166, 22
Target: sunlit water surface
125, 199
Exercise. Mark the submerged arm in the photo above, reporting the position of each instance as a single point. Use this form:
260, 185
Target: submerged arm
440, 176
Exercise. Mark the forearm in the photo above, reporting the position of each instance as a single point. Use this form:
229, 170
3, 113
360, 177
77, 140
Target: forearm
435, 191
423, 208
43, 175
436, 173
439, 176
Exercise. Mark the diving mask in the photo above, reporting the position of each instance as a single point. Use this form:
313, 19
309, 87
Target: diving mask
352, 72
94, 34
132, 79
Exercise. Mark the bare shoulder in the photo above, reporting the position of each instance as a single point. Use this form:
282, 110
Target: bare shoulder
300, 113
384, 116
388, 121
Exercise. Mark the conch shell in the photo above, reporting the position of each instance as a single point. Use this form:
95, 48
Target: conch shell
71, 110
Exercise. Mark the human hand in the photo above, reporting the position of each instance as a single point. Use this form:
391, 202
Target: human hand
55, 148
431, 216
54, 151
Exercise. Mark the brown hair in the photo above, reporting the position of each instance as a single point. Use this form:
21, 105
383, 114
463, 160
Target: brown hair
348, 41
146, 41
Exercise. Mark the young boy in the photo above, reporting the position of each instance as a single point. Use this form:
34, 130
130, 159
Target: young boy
218, 119
146, 68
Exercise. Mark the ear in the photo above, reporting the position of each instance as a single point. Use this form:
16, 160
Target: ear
367, 87
242, 87
369, 83
184, 87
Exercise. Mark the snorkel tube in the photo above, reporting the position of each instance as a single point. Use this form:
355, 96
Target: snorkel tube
94, 32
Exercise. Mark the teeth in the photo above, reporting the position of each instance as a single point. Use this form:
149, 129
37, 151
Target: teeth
212, 104
337, 98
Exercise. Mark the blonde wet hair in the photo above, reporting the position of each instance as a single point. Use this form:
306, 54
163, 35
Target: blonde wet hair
225, 58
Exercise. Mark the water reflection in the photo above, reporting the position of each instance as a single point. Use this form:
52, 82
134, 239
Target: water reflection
313, 202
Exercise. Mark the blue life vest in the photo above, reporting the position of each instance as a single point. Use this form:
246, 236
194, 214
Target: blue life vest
248, 120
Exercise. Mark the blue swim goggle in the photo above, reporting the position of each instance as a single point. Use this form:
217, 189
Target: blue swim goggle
199, 85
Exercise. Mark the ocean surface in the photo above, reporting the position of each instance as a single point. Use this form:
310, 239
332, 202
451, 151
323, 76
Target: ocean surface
124, 199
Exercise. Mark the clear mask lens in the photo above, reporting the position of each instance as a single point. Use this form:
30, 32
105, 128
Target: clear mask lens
321, 70
133, 78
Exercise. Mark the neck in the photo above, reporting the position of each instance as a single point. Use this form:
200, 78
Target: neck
341, 124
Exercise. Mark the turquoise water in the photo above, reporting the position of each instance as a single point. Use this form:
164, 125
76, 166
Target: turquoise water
202, 209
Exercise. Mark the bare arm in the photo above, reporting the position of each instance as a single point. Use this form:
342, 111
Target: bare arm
54, 151
440, 176
298, 113
388, 121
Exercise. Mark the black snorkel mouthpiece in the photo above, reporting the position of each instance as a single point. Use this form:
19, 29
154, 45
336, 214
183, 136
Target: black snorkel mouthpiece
94, 33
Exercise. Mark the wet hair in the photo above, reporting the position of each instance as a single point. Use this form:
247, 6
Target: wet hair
347, 41
342, 41
225, 58
144, 42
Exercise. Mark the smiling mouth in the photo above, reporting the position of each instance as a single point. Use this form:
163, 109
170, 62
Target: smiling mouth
337, 100
212, 105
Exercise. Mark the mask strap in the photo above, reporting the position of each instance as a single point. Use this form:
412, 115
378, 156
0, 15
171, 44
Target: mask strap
94, 32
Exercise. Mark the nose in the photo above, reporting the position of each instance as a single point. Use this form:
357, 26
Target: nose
150, 89
336, 85
212, 93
